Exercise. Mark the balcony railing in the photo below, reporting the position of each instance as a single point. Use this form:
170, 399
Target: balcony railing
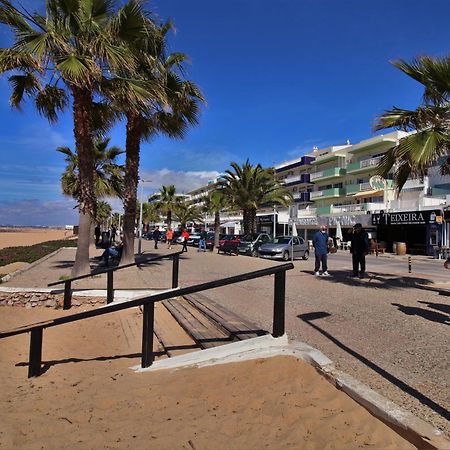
298, 179
359, 207
301, 197
363, 187
328, 173
307, 212
327, 193
363, 165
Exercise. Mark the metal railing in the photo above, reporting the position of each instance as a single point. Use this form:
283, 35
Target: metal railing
148, 303
67, 304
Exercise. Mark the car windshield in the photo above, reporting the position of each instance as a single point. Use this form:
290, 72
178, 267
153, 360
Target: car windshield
210, 235
281, 240
249, 237
227, 237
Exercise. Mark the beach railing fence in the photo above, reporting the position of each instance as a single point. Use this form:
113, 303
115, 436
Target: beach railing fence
67, 302
148, 303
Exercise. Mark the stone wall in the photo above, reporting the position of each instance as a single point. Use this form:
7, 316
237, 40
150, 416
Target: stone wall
44, 299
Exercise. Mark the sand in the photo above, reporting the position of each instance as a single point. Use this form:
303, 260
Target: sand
89, 398
14, 237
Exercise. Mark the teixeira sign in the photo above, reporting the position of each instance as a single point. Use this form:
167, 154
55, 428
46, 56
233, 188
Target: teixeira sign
408, 218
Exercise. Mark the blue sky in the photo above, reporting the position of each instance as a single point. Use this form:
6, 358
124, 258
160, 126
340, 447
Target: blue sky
279, 77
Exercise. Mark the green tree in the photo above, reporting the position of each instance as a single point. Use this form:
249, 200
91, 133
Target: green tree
248, 188
214, 203
168, 201
108, 175
430, 121
173, 107
150, 214
186, 212
68, 51
102, 212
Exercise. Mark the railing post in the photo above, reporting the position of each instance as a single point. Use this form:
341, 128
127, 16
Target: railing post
147, 335
34, 365
175, 267
67, 295
279, 304
110, 287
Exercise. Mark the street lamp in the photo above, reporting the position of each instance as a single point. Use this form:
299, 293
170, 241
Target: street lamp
140, 215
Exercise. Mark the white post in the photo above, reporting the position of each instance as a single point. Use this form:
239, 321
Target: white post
140, 220
274, 223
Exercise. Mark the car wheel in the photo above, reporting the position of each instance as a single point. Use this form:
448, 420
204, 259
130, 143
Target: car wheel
286, 256
254, 253
306, 255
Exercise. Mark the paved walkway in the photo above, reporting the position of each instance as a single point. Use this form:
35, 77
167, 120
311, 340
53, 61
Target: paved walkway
383, 331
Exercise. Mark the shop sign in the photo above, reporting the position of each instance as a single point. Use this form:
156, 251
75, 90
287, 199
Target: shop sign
305, 221
407, 218
348, 221
265, 219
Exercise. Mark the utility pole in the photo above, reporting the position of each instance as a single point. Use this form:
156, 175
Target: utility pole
140, 216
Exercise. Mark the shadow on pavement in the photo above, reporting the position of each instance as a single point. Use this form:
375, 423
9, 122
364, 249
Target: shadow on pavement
425, 313
309, 317
372, 280
438, 306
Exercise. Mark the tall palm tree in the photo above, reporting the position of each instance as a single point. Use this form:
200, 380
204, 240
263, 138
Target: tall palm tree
168, 201
102, 212
430, 122
68, 51
187, 212
248, 188
172, 109
214, 203
150, 214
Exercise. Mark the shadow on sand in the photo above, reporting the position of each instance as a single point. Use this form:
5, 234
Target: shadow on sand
310, 317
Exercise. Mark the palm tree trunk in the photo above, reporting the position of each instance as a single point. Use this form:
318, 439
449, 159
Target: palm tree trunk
249, 216
82, 114
216, 228
133, 143
169, 218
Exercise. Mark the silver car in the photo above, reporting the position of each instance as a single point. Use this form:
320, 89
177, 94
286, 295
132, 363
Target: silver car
281, 248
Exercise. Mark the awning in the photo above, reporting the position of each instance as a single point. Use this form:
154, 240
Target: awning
367, 193
229, 224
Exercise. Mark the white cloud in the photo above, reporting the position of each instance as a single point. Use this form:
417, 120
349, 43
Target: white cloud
36, 212
183, 181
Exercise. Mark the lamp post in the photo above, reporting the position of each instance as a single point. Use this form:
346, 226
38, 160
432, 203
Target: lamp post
140, 215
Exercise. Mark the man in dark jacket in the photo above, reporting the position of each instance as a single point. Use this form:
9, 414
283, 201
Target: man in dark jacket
359, 248
320, 242
156, 236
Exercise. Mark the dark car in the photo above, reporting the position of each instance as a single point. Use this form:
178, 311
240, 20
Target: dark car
210, 239
250, 243
282, 247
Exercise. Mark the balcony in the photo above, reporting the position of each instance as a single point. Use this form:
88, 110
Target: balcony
327, 193
352, 189
335, 172
307, 212
364, 165
301, 197
358, 207
323, 210
298, 179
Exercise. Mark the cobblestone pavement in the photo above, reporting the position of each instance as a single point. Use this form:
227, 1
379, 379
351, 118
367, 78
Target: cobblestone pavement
381, 330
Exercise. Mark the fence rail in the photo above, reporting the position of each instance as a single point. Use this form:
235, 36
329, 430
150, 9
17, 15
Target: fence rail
67, 304
148, 302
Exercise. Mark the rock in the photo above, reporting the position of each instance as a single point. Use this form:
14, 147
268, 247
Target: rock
50, 303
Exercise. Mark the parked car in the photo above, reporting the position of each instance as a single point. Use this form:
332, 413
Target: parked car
229, 243
194, 239
249, 244
210, 239
281, 248
229, 237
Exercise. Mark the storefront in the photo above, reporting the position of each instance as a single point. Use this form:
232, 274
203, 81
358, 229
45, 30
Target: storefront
264, 224
420, 230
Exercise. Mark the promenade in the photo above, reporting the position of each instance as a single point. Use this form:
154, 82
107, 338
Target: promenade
382, 330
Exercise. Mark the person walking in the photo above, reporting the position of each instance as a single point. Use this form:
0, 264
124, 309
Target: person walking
202, 241
185, 236
359, 248
156, 236
112, 237
97, 233
320, 242
169, 238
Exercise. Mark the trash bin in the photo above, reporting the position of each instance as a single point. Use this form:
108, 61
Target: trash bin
401, 248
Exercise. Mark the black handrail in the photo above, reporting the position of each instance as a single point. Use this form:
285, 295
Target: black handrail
148, 302
67, 304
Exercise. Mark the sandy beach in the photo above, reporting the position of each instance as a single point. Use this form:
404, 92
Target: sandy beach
15, 237
89, 398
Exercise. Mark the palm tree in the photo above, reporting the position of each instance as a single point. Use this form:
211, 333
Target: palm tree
102, 212
214, 203
168, 202
248, 188
66, 52
150, 214
172, 109
187, 212
108, 175
430, 122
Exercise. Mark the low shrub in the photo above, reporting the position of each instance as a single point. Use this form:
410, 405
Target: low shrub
32, 253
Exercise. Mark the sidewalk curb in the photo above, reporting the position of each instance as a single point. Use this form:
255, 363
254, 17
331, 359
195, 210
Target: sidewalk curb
415, 430
31, 265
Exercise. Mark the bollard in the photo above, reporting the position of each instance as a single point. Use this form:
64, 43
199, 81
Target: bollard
409, 264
